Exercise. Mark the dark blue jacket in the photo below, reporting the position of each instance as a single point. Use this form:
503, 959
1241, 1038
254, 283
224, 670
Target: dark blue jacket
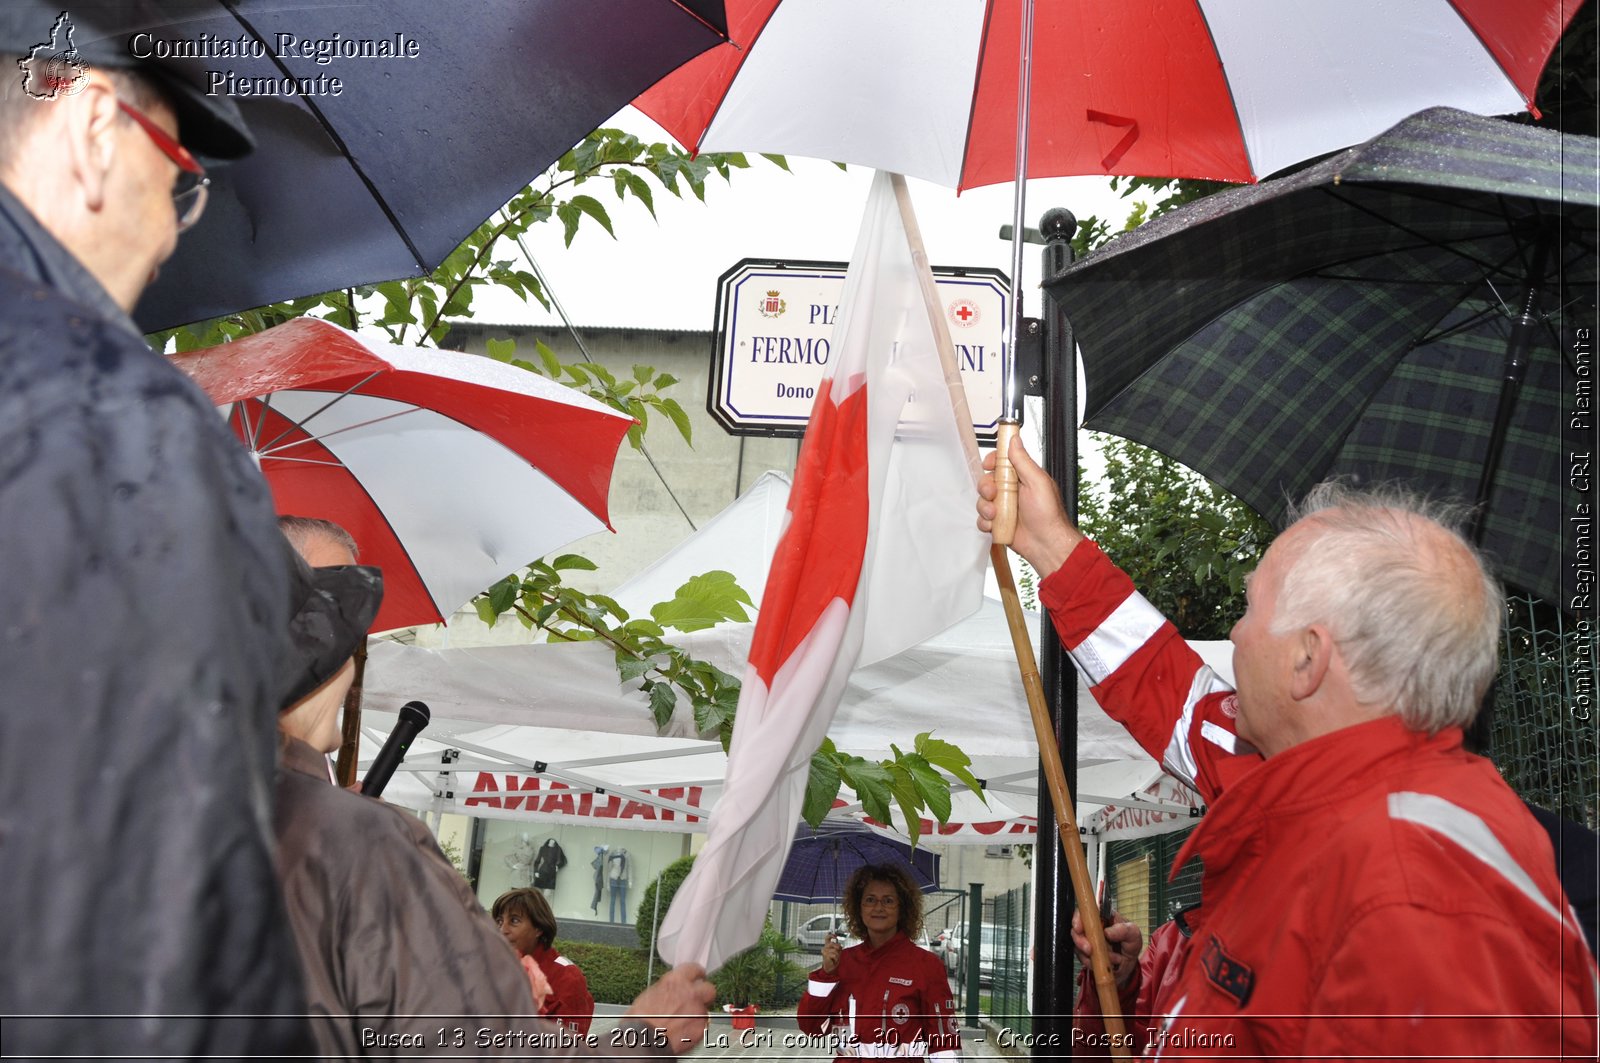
143, 615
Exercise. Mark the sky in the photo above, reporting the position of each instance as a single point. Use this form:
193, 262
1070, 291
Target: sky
662, 273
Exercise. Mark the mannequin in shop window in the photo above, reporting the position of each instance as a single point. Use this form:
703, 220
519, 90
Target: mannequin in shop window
546, 862
619, 871
599, 866
519, 861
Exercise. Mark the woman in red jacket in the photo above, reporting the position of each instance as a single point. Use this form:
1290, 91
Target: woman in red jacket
883, 996
526, 921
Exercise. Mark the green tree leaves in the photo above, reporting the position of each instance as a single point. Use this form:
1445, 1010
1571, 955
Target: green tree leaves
1187, 543
916, 782
703, 602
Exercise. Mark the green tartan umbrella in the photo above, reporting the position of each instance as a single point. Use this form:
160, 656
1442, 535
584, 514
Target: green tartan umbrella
1353, 318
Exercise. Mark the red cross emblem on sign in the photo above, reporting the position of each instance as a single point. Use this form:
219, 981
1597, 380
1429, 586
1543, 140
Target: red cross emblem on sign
964, 312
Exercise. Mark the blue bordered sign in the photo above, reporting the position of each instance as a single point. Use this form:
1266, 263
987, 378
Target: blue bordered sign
774, 330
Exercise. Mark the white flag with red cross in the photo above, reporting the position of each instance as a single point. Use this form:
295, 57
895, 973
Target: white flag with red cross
880, 551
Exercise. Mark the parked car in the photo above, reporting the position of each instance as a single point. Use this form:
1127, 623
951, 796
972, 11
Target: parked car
813, 933
955, 953
950, 950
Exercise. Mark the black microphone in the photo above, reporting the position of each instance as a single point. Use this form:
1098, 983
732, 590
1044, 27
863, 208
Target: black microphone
413, 718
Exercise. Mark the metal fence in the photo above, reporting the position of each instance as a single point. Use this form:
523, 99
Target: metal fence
1011, 916
1544, 736
1136, 876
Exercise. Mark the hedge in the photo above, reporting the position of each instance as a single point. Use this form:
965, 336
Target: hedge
616, 975
667, 882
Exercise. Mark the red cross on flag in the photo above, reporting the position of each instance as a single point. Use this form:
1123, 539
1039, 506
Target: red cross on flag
880, 551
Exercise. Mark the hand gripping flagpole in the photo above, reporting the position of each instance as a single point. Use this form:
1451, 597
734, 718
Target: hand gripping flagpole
1049, 753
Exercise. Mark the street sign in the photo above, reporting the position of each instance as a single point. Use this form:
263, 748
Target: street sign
774, 332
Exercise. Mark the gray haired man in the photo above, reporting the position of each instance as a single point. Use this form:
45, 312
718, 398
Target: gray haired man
1371, 888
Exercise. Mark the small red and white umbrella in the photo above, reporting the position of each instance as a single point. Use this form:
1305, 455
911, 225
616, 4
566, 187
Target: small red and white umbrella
1227, 90
451, 470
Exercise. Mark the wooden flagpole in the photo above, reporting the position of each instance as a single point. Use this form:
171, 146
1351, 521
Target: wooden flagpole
1049, 753
1105, 983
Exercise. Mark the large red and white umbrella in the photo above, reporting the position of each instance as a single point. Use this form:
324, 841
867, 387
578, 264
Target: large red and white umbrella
451, 470
1227, 90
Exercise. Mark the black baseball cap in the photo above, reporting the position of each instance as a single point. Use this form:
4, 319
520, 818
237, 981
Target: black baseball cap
55, 37
330, 610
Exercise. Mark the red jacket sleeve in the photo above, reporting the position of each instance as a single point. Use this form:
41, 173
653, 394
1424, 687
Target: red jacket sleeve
1143, 674
815, 1010
941, 1025
1087, 1019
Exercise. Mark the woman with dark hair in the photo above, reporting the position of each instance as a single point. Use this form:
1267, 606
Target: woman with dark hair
526, 921
883, 996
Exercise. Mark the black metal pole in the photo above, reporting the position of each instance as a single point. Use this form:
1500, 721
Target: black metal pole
972, 951
1053, 987
1517, 345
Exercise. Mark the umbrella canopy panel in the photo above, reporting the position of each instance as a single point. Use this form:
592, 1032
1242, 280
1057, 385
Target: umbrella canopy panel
463, 105
1353, 319
450, 470
822, 859
1185, 88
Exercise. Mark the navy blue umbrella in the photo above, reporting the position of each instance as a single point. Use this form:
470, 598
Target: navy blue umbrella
387, 130
822, 859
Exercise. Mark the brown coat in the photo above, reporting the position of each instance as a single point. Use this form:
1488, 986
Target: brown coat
399, 956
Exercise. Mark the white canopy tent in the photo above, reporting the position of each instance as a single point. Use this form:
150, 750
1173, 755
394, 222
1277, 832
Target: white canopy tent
545, 732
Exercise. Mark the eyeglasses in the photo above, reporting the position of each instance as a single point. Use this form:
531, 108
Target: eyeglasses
880, 902
189, 190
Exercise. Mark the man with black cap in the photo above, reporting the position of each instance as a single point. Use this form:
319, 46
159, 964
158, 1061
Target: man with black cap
146, 591
398, 952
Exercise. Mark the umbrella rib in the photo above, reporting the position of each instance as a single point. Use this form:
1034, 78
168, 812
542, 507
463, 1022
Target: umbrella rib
252, 431
1465, 290
277, 456
977, 76
302, 422
698, 18
1470, 323
1449, 246
1323, 271
310, 104
346, 428
241, 414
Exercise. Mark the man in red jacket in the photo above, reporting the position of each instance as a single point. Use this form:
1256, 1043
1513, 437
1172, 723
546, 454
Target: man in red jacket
1140, 977
1371, 888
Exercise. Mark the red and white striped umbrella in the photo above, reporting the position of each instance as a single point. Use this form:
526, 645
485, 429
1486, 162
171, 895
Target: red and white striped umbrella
1228, 90
451, 470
